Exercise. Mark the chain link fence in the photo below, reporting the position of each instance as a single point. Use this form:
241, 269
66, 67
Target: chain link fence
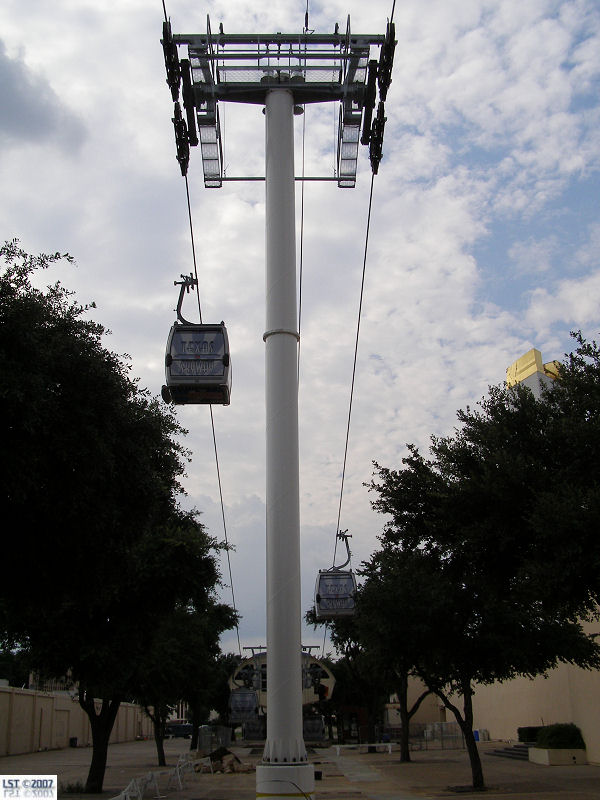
430, 736
210, 737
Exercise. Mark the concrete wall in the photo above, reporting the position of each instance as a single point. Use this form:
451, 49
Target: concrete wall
431, 709
568, 694
31, 721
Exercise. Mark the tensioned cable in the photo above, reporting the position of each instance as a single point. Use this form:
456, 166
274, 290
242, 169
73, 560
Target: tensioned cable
362, 287
360, 302
354, 364
212, 421
189, 207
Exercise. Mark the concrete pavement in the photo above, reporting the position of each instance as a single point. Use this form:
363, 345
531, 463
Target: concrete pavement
351, 776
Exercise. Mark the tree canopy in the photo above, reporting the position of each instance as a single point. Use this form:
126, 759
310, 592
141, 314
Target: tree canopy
100, 550
87, 455
363, 676
182, 663
513, 495
500, 526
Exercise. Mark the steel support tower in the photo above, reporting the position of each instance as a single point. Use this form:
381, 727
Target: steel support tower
282, 73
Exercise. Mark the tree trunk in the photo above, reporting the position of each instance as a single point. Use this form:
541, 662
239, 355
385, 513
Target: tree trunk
406, 713
467, 729
404, 718
101, 725
372, 718
195, 717
158, 726
474, 758
466, 725
158, 715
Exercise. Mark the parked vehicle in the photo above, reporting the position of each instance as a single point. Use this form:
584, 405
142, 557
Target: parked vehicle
178, 730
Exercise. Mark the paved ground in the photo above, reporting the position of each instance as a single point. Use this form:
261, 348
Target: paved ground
352, 776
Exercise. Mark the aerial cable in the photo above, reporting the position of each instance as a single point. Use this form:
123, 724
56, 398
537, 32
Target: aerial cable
237, 630
362, 286
373, 136
212, 421
189, 207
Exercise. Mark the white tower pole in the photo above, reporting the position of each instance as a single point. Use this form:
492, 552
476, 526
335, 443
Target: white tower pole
285, 771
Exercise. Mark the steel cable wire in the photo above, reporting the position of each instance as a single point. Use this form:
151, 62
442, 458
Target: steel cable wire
212, 421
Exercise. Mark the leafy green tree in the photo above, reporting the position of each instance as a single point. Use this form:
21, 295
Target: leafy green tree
324, 706
14, 667
362, 677
226, 664
170, 567
202, 687
508, 509
344, 695
395, 618
383, 638
181, 664
90, 467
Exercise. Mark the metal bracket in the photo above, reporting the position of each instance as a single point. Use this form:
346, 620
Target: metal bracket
344, 535
187, 284
241, 68
171, 61
181, 139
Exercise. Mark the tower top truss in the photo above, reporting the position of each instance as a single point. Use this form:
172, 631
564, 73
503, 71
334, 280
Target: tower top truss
243, 68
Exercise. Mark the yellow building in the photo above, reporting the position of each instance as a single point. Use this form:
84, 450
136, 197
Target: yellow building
530, 371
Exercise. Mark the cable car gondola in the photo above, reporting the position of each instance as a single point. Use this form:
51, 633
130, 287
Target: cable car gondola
197, 363
335, 590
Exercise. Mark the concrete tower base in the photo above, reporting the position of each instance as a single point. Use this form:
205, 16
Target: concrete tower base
285, 781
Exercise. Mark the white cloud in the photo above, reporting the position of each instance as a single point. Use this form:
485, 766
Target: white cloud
31, 111
589, 253
533, 256
572, 302
492, 116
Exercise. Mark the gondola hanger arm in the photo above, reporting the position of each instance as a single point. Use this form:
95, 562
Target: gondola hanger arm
187, 284
344, 535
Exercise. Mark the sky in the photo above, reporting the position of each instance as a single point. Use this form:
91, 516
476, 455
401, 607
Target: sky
484, 238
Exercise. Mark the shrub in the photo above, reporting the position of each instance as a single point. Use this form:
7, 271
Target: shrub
563, 735
528, 733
